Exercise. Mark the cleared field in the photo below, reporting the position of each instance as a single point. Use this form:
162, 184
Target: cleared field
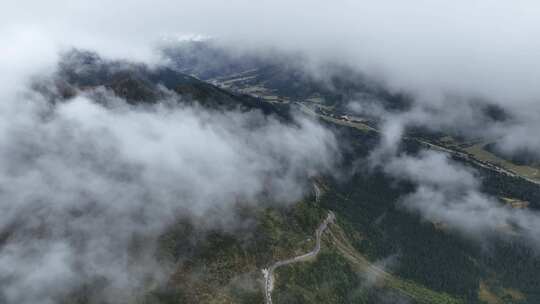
498, 295
515, 203
357, 125
479, 152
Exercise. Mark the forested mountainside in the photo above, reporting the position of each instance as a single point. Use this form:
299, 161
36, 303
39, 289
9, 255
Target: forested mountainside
375, 252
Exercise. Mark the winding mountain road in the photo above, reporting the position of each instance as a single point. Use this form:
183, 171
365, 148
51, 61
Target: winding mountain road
269, 272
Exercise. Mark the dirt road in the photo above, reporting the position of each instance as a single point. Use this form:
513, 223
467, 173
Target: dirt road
269, 272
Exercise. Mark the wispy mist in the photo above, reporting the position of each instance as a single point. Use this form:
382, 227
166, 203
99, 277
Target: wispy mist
447, 192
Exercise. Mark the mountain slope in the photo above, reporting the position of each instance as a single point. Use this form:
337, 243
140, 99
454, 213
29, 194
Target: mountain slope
378, 252
140, 84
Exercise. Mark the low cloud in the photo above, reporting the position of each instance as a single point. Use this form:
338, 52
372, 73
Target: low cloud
449, 194
446, 192
87, 187
510, 130
433, 50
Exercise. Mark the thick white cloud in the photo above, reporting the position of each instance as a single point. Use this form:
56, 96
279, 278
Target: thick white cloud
82, 183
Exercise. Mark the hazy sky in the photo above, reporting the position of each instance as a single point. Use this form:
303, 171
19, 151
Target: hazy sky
480, 46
